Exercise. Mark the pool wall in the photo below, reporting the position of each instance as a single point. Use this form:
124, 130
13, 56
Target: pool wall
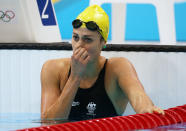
162, 75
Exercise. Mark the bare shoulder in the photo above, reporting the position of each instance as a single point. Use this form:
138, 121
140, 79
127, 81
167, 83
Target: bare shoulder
56, 64
118, 63
118, 60
54, 67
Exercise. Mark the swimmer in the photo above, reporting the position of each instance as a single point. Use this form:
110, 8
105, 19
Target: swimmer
88, 85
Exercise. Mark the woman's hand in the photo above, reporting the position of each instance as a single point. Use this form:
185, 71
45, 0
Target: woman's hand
153, 109
79, 61
158, 110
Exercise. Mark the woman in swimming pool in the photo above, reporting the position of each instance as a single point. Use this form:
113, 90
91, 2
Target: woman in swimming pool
88, 85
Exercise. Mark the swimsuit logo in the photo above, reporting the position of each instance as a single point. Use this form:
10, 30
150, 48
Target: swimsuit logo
75, 103
91, 107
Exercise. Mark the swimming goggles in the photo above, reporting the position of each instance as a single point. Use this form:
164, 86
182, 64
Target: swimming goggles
91, 25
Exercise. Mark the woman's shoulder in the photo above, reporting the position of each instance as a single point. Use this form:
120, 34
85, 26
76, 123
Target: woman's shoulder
119, 64
118, 61
56, 65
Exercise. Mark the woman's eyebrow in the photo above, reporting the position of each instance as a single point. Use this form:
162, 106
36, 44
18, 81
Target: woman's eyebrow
87, 36
84, 36
75, 33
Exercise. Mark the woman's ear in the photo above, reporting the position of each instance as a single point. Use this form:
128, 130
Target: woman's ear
103, 44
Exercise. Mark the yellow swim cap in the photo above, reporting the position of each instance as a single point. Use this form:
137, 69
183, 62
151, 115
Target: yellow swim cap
99, 16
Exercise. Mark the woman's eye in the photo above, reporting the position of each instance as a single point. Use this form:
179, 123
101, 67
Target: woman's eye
76, 38
88, 40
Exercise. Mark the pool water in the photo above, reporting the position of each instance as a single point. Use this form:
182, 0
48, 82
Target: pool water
179, 126
14, 121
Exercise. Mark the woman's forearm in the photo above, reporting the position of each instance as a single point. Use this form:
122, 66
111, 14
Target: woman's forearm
141, 103
62, 106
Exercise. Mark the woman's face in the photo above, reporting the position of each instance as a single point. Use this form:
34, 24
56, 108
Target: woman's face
89, 40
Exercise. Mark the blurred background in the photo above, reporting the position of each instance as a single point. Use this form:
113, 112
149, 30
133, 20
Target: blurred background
139, 22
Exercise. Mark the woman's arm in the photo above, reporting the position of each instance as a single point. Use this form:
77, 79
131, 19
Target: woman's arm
130, 84
54, 103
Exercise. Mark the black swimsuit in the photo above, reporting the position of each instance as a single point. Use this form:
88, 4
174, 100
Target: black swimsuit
92, 102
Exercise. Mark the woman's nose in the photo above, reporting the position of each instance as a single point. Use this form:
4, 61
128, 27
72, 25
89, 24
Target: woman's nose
80, 43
